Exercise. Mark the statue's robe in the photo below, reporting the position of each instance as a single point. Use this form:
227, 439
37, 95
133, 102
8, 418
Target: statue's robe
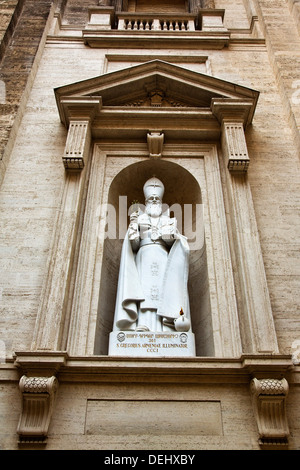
153, 284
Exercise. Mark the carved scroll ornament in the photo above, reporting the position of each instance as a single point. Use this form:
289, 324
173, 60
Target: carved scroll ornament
38, 398
269, 402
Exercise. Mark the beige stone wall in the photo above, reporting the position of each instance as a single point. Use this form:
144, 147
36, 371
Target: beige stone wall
30, 197
33, 200
152, 430
22, 35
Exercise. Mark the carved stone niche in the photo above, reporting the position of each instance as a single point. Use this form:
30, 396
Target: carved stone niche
38, 395
269, 403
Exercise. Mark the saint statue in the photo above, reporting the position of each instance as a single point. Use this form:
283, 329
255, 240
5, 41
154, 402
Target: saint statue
152, 288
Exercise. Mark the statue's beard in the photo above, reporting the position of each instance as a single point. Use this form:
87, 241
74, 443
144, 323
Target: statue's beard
153, 210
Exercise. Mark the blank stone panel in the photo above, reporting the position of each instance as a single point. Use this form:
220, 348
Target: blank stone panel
128, 417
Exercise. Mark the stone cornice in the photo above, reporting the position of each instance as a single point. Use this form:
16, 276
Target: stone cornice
234, 110
162, 370
156, 39
78, 108
110, 102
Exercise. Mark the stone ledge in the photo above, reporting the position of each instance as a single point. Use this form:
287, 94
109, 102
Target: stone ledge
156, 39
123, 369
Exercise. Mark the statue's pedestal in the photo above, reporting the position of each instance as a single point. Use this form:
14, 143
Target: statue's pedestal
151, 344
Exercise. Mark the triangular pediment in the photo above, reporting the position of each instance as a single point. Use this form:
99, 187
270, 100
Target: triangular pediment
156, 84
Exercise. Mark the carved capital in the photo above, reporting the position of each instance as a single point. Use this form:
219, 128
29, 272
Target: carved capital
77, 145
234, 146
78, 108
155, 141
38, 394
234, 116
269, 403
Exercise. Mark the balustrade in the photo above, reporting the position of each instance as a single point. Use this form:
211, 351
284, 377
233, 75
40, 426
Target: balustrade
209, 21
137, 23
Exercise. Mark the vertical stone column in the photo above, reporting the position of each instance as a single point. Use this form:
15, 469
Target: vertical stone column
255, 313
51, 313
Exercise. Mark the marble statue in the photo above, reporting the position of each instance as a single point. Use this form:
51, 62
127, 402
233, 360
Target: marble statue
152, 288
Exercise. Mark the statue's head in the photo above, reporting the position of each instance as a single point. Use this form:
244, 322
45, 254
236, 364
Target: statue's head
154, 187
153, 192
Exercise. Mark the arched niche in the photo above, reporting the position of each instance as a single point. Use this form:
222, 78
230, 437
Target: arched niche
182, 190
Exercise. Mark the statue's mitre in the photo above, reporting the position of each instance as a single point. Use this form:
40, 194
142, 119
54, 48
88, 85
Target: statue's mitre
154, 186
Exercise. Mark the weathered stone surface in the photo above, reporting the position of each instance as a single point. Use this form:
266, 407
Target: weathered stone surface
19, 45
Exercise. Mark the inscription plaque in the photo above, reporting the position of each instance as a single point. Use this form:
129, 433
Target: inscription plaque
152, 344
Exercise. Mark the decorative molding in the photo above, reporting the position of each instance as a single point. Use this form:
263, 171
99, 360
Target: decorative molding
78, 101
235, 109
155, 141
78, 108
269, 402
157, 99
83, 367
38, 395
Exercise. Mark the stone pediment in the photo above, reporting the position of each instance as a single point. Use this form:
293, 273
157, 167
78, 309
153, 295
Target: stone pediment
154, 84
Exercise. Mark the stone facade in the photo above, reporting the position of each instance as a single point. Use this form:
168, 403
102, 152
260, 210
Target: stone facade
95, 97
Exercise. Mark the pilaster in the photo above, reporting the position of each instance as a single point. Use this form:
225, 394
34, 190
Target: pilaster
255, 311
51, 313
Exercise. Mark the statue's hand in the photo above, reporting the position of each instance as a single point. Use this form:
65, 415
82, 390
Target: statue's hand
134, 217
169, 230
